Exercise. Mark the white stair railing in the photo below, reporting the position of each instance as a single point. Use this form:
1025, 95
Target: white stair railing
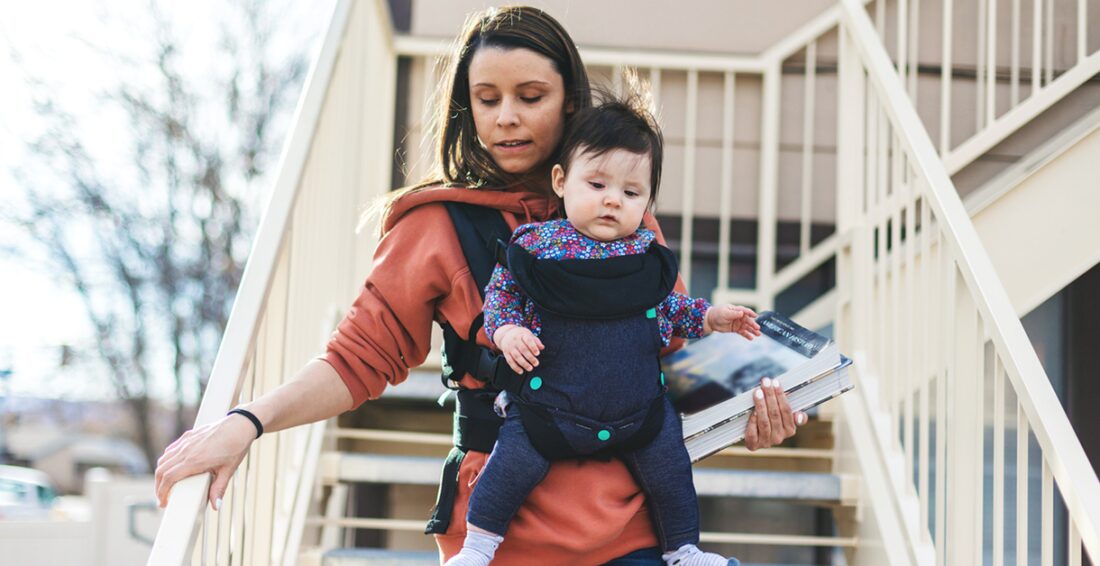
305, 267
925, 313
1015, 73
680, 76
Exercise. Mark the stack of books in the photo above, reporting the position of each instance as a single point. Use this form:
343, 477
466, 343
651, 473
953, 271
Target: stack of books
711, 381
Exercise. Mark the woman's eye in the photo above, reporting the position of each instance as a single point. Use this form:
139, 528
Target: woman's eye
488, 101
531, 99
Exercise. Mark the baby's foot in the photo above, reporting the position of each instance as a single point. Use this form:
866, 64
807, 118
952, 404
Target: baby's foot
467, 557
690, 555
477, 550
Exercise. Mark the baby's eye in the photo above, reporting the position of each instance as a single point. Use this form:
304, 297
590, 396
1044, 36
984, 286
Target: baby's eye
632, 194
596, 184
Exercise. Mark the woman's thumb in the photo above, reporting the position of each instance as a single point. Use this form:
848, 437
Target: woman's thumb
218, 487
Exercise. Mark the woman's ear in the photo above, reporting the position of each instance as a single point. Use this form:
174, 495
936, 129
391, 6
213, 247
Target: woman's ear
557, 180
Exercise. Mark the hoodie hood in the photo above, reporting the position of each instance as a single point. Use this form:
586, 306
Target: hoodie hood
525, 205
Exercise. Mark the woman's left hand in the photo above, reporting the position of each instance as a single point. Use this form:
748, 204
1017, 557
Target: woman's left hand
772, 420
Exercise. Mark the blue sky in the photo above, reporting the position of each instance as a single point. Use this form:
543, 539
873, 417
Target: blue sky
61, 42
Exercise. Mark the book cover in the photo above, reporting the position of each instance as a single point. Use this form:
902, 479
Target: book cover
711, 380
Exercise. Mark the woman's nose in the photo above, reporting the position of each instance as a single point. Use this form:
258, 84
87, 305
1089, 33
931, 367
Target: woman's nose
507, 115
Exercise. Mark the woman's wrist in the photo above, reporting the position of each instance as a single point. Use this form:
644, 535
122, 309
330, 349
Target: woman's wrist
245, 413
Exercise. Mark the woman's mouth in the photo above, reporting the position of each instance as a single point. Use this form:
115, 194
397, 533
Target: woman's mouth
513, 145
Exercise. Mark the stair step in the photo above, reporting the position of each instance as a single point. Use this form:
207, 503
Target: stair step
378, 557
383, 557
709, 482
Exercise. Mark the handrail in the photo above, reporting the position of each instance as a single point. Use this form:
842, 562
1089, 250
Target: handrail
178, 528
1060, 446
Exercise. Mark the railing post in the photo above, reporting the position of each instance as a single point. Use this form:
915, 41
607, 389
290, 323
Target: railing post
964, 462
851, 112
769, 161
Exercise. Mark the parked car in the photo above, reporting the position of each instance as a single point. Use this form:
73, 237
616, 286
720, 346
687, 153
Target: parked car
25, 493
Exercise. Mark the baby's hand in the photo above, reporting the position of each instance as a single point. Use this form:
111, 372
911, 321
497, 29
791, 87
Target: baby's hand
520, 347
731, 318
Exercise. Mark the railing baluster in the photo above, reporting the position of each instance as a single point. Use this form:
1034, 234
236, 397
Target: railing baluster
898, 371
914, 48
726, 197
807, 148
1074, 544
979, 73
687, 217
1036, 46
655, 90
1050, 41
880, 19
910, 324
1022, 473
991, 65
1047, 516
903, 40
769, 163
1082, 29
1014, 65
998, 462
927, 365
977, 456
882, 213
945, 80
943, 419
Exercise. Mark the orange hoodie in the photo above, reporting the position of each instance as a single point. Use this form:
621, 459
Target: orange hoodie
585, 511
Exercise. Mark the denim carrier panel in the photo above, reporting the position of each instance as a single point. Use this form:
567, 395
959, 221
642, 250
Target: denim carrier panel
598, 369
598, 385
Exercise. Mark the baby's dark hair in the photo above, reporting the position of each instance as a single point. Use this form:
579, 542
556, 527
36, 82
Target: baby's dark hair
615, 123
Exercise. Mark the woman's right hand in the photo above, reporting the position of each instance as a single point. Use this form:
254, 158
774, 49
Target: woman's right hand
218, 448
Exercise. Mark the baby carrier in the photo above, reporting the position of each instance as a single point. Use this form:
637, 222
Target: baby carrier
583, 305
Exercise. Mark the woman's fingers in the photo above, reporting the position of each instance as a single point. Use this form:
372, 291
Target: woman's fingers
218, 446
751, 437
776, 420
789, 424
763, 422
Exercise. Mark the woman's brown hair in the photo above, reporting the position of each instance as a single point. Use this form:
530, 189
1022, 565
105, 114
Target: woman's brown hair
459, 157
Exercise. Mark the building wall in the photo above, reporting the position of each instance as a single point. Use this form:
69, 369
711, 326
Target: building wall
749, 27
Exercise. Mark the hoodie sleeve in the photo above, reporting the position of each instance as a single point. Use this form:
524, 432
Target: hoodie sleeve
387, 330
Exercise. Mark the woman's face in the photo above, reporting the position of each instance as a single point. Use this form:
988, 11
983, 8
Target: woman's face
517, 99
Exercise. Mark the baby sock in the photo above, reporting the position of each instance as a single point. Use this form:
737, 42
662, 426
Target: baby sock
477, 550
690, 555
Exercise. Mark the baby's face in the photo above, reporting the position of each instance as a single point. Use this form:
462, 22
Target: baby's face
607, 195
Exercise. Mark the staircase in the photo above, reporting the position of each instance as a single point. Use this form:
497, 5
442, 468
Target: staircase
400, 465
953, 430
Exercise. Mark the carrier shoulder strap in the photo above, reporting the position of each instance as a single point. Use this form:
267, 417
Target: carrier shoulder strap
479, 229
482, 233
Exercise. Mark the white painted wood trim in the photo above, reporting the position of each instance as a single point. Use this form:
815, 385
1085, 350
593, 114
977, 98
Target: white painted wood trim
178, 527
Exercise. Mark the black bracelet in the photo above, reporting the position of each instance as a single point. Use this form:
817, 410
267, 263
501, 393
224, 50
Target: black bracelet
248, 415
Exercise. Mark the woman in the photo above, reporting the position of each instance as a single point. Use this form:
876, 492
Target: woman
514, 78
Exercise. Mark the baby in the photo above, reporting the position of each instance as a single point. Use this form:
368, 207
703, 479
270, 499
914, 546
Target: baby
581, 311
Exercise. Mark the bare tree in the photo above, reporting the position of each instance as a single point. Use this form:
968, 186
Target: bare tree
154, 240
